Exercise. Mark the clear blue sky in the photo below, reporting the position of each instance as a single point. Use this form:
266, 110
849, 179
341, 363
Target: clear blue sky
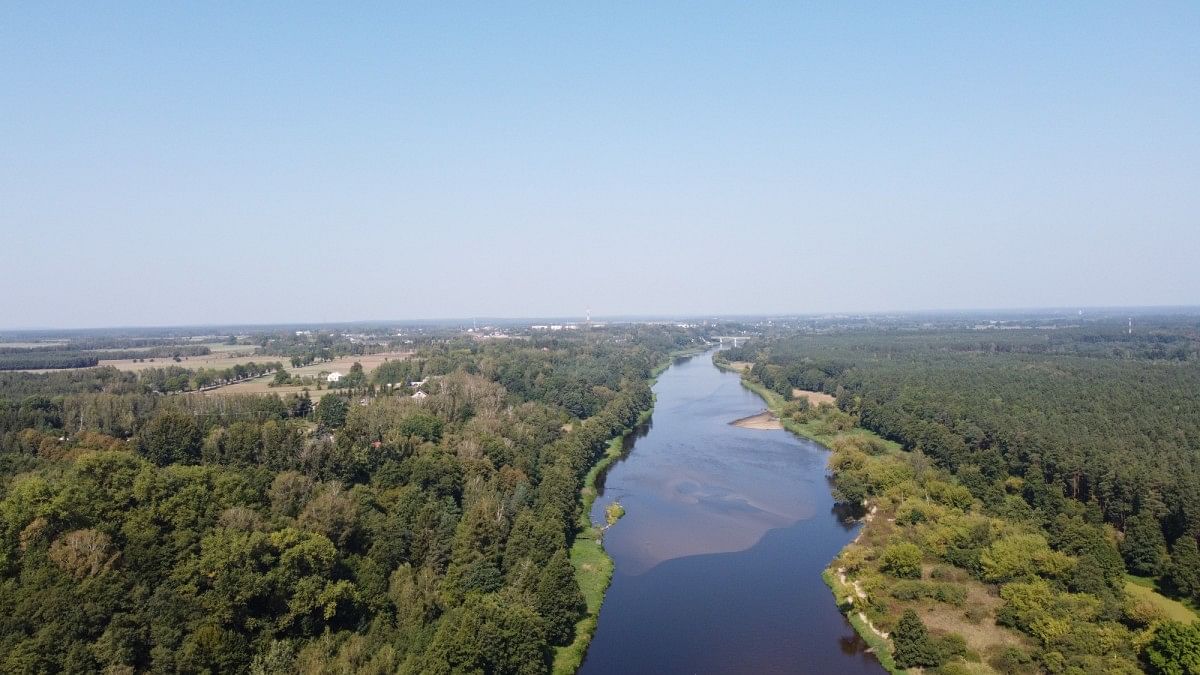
166, 163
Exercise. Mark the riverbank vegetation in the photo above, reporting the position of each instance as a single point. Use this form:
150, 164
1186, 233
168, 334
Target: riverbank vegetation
593, 566
1038, 468
261, 533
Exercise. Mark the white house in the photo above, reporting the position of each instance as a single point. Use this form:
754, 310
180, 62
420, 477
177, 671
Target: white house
420, 395
335, 376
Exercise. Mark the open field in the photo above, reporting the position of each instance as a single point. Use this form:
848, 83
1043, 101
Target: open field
218, 360
261, 385
222, 347
223, 356
31, 345
1143, 589
815, 398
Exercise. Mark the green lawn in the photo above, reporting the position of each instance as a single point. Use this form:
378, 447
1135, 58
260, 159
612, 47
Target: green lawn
1143, 588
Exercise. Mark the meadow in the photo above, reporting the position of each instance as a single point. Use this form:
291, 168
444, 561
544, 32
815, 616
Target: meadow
343, 364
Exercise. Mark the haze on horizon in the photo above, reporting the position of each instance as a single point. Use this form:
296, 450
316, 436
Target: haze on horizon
218, 164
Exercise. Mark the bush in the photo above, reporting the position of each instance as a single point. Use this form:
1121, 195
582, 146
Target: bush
975, 614
1175, 649
920, 590
908, 590
913, 646
903, 560
1012, 661
949, 646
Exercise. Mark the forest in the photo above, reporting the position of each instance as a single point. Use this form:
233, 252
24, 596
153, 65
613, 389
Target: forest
85, 354
1042, 467
264, 534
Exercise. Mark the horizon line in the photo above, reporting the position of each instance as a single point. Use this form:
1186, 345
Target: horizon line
609, 318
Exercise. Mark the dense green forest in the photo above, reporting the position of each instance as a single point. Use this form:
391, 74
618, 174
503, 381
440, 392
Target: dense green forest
1045, 464
191, 533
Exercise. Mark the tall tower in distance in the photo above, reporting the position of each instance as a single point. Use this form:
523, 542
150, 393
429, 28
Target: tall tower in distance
1131, 325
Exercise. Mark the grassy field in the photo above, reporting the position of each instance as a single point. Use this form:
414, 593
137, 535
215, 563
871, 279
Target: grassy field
226, 358
31, 345
1143, 589
261, 385
223, 356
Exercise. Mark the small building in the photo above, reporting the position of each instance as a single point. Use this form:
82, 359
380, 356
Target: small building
335, 376
417, 384
420, 395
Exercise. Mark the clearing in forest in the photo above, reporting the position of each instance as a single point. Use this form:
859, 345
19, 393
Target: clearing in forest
815, 398
341, 364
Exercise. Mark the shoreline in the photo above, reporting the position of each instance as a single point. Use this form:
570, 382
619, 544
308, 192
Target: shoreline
593, 565
765, 420
879, 644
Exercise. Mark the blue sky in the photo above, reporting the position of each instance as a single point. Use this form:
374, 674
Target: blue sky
167, 163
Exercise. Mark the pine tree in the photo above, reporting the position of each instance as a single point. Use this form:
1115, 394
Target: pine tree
559, 600
1144, 548
913, 646
532, 538
1184, 570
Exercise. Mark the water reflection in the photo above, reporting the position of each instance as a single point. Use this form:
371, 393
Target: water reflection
849, 516
719, 555
627, 444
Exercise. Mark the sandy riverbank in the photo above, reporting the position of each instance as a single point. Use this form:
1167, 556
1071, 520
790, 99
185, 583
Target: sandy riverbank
763, 420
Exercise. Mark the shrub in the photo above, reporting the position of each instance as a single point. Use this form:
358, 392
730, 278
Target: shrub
903, 560
913, 646
950, 646
919, 590
1012, 661
975, 614
1175, 649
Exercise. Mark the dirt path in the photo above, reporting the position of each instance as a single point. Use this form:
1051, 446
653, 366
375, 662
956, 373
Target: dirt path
859, 594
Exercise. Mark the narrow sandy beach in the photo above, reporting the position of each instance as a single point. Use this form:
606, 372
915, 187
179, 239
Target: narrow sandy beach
763, 420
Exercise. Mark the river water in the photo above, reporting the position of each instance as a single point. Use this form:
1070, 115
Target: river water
720, 553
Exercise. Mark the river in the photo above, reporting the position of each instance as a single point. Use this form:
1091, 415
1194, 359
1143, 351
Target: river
720, 553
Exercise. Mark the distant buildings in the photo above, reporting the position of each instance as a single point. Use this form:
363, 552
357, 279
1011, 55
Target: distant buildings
335, 376
420, 395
